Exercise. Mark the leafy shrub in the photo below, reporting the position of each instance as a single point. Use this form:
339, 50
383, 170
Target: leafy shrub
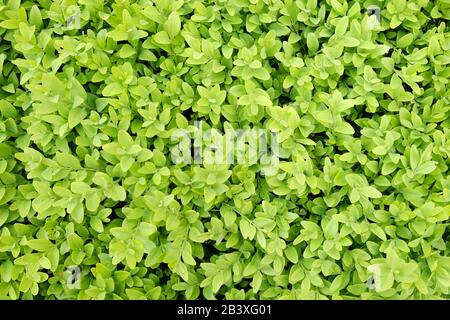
93, 207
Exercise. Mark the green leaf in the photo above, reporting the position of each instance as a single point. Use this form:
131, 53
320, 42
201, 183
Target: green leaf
291, 254
414, 157
370, 192
350, 41
77, 213
162, 37
112, 89
125, 139
325, 117
117, 193
378, 231
75, 242
181, 270
312, 42
40, 244
344, 128
248, 231
296, 274
341, 26
76, 116
173, 24
67, 160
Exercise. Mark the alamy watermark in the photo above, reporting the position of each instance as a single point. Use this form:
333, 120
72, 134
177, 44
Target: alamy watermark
71, 19
374, 20
72, 275
374, 279
233, 146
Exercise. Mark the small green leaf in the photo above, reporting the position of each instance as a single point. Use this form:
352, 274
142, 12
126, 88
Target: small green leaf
40, 244
112, 89
162, 37
173, 24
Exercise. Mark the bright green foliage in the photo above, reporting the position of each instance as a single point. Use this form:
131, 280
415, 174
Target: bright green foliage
91, 92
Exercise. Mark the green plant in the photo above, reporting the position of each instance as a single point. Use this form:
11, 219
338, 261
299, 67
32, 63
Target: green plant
92, 94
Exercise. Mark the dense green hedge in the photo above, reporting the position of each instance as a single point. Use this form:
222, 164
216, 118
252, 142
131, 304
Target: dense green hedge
92, 205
